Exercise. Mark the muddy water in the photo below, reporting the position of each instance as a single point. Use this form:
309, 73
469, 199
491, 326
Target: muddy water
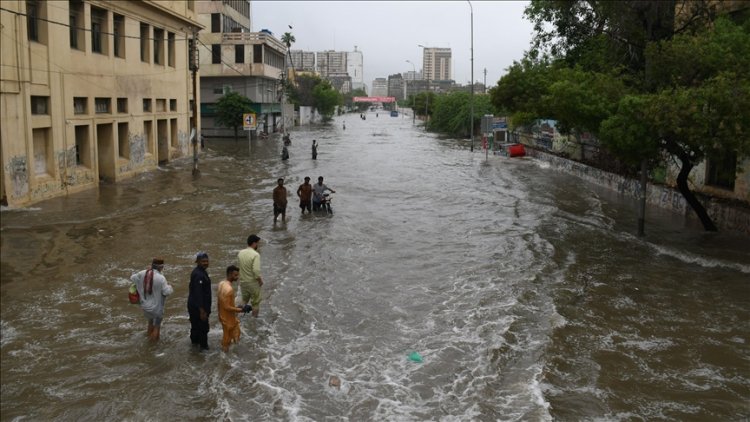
523, 289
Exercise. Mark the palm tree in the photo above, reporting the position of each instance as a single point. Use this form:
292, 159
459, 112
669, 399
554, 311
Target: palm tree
288, 39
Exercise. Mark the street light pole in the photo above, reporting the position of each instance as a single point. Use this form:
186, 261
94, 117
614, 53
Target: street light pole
427, 94
471, 123
413, 110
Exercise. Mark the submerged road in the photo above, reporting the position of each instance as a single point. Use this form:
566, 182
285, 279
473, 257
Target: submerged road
523, 289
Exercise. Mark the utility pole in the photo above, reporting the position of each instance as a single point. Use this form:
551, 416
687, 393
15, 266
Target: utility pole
193, 63
471, 120
485, 80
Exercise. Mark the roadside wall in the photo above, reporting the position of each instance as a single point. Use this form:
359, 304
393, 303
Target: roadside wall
725, 216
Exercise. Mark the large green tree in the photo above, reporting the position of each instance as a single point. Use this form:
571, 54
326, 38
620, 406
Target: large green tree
229, 110
648, 84
326, 99
452, 112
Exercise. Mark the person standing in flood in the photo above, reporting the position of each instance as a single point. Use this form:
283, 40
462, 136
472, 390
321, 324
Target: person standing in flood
228, 311
153, 289
315, 150
250, 278
304, 192
279, 201
199, 301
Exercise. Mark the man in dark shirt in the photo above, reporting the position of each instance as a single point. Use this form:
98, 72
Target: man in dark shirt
199, 301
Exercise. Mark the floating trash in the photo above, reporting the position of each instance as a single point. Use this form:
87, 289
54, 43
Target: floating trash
334, 381
415, 357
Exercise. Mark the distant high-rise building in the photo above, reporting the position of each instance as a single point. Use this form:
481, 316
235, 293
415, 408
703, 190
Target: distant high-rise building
354, 67
412, 75
379, 87
331, 63
396, 86
303, 61
436, 64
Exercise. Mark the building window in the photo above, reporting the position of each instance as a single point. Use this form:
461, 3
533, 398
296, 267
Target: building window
80, 105
98, 30
119, 35
218, 91
147, 104
158, 46
123, 140
39, 105
83, 152
32, 20
216, 53
76, 24
144, 42
721, 171
42, 151
170, 49
172, 105
239, 53
215, 22
148, 136
103, 105
161, 104
257, 53
122, 105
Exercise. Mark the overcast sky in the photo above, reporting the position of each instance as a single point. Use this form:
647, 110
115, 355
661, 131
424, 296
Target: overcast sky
388, 32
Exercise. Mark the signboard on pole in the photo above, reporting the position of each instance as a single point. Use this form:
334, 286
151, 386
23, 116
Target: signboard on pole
249, 122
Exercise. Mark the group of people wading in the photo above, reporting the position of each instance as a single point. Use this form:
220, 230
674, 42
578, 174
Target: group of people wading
153, 290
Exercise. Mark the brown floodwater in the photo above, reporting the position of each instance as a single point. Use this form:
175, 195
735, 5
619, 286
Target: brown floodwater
524, 291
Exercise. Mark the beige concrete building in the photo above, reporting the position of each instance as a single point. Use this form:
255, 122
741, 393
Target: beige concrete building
89, 91
436, 64
235, 59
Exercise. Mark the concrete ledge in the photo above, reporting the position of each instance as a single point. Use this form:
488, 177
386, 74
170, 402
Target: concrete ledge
726, 216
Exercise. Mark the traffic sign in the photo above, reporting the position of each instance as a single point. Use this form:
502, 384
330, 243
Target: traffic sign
249, 122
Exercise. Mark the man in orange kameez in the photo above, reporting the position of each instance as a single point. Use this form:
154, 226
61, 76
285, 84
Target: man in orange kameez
230, 324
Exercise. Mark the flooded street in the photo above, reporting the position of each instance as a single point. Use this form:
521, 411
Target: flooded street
524, 290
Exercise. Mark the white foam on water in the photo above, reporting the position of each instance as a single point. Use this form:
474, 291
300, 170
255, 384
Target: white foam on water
690, 258
8, 333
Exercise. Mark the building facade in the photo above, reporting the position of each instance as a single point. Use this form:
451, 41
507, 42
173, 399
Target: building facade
331, 63
436, 64
355, 68
91, 91
303, 61
379, 87
396, 86
233, 59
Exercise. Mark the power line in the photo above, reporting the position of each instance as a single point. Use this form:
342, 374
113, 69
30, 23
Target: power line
87, 30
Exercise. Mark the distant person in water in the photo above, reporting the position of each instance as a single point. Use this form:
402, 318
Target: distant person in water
315, 149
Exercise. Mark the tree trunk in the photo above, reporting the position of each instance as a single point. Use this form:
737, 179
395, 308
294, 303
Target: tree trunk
682, 185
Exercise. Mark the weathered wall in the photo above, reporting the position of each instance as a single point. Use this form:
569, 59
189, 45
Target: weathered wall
726, 216
50, 68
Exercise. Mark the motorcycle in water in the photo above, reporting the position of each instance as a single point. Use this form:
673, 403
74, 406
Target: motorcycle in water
325, 204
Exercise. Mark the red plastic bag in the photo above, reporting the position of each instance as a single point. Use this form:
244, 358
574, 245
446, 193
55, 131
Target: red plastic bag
133, 295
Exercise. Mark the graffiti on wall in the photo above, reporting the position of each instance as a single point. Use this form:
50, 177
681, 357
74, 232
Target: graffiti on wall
137, 148
19, 176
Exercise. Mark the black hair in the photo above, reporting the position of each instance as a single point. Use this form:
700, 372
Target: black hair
231, 269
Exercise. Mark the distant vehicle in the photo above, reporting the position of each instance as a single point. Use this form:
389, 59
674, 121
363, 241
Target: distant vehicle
394, 113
